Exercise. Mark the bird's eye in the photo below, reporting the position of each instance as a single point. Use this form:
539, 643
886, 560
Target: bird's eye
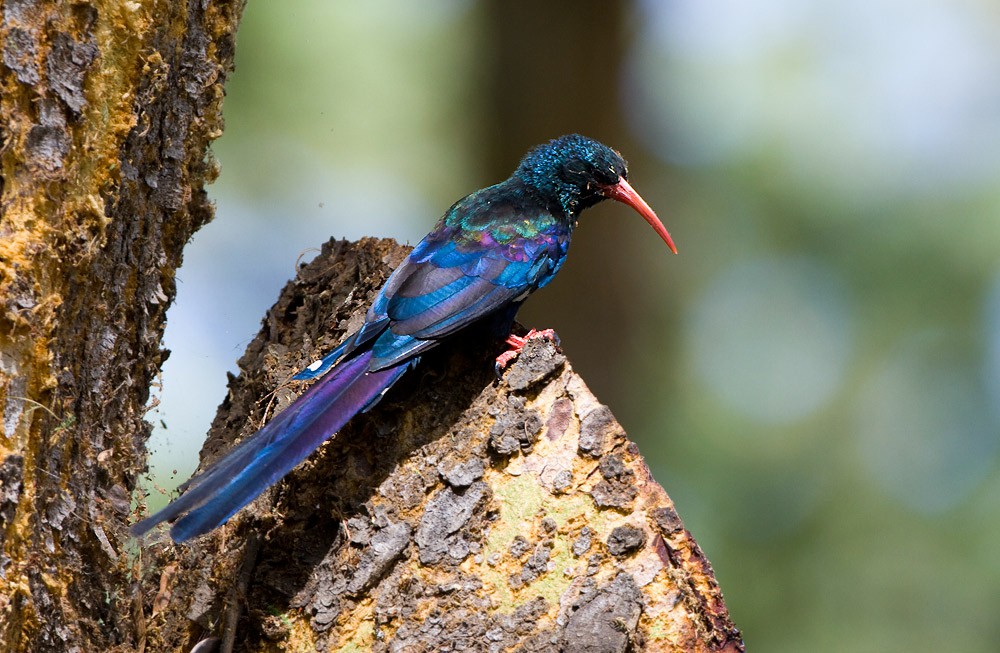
574, 168
606, 176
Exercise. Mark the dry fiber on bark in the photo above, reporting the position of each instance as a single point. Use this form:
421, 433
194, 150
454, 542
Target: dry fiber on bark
462, 513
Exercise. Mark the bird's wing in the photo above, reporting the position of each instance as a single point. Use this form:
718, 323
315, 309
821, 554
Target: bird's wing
487, 253
451, 283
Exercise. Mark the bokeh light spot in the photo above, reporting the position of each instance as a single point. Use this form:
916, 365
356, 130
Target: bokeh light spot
772, 338
926, 433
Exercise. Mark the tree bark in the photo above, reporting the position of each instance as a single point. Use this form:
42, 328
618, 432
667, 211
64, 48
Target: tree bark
107, 112
462, 513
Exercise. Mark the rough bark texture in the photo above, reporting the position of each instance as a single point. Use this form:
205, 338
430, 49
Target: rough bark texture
106, 112
462, 513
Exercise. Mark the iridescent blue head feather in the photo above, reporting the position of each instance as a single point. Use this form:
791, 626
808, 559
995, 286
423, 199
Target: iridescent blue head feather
572, 171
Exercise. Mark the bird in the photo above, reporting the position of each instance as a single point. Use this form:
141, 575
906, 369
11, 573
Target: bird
483, 258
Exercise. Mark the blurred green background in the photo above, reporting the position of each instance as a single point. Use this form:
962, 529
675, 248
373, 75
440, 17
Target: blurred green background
814, 379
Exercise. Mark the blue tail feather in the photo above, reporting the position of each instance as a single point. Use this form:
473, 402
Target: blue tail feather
323, 365
256, 463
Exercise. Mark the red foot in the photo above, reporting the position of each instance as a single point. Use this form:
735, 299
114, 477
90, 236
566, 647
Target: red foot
517, 343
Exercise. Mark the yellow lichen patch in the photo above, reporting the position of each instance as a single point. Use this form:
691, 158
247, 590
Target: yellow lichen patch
301, 636
357, 630
65, 205
523, 504
661, 631
665, 613
520, 500
553, 584
123, 30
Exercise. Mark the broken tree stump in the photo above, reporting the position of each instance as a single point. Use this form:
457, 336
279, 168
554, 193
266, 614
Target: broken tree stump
464, 512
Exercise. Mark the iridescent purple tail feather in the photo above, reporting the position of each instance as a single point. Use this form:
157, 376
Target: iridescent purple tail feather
258, 462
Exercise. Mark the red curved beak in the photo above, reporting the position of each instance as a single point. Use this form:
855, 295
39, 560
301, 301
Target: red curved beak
627, 195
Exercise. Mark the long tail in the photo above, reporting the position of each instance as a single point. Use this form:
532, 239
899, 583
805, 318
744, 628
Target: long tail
258, 462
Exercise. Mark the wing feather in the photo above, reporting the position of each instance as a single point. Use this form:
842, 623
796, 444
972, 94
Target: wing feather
464, 271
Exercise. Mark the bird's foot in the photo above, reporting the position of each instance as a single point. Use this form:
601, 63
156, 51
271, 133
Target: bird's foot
517, 343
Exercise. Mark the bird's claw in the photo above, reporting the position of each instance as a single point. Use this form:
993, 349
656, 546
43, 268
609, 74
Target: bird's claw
517, 343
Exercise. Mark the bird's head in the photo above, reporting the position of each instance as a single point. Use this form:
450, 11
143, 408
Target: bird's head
576, 172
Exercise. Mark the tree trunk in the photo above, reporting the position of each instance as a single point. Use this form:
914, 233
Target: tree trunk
461, 513
107, 112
